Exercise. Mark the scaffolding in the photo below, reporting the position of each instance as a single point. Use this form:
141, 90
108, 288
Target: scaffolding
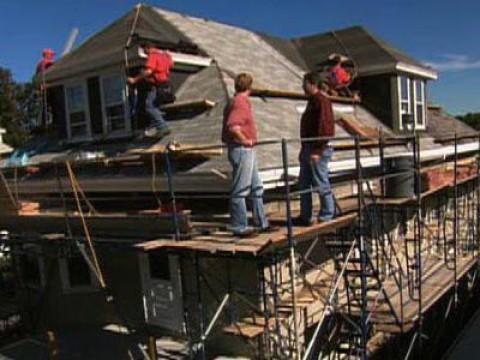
339, 289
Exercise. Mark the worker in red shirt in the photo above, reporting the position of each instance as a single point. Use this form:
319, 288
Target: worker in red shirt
240, 134
338, 77
156, 78
48, 59
317, 122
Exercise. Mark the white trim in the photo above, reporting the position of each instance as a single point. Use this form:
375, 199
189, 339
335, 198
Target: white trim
127, 119
417, 70
416, 103
65, 278
86, 109
398, 67
183, 59
274, 177
401, 101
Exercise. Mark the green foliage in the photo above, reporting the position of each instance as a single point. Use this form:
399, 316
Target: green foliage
17, 107
471, 119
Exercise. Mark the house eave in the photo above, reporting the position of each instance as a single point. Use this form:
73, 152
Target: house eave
399, 67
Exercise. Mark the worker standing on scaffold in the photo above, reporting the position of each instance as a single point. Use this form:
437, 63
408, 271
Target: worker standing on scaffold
240, 134
155, 80
317, 121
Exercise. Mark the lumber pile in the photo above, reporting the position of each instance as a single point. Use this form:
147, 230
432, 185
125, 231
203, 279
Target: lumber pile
28, 208
438, 177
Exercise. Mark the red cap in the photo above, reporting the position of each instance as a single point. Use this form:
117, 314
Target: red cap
48, 53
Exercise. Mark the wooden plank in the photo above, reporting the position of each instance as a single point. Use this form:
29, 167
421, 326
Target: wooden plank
191, 104
298, 95
112, 225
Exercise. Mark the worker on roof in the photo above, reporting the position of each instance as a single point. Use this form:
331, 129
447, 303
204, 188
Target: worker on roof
155, 81
317, 122
338, 76
240, 134
48, 59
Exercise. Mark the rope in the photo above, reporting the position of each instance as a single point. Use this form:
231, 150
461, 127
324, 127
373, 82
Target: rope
96, 264
9, 192
91, 208
154, 180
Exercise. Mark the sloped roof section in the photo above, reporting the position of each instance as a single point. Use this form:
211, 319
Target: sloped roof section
370, 53
106, 47
443, 126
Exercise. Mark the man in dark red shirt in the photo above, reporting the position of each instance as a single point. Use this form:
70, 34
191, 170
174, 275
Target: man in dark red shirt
156, 78
317, 122
240, 134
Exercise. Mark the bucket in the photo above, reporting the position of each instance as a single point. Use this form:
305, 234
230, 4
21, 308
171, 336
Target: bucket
401, 185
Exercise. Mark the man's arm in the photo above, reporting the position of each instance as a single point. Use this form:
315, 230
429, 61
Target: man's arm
240, 137
146, 73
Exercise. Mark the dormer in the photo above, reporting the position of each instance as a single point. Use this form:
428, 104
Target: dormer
392, 85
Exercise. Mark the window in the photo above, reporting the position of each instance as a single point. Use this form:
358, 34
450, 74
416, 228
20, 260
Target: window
77, 111
31, 266
159, 266
113, 93
420, 104
405, 103
412, 109
76, 275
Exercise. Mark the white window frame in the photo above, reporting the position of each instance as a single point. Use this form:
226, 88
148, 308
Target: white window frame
34, 251
400, 100
128, 122
86, 109
65, 279
418, 126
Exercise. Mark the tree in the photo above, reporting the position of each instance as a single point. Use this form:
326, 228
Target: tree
471, 119
17, 107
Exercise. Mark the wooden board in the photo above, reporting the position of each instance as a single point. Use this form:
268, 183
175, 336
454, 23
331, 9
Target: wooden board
107, 226
225, 242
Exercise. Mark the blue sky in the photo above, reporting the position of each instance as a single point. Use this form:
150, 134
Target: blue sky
439, 32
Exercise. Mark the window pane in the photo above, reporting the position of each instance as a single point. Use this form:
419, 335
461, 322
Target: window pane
404, 88
78, 130
159, 266
420, 120
404, 108
30, 269
77, 118
113, 88
75, 98
419, 90
78, 272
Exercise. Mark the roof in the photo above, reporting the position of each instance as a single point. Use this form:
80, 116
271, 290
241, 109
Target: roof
106, 47
371, 54
443, 126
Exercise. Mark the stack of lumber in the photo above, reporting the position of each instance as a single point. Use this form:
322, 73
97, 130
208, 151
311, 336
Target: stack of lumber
28, 208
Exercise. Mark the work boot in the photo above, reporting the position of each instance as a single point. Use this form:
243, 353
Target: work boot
157, 133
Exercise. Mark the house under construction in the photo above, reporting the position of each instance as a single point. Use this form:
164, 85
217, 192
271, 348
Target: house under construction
119, 243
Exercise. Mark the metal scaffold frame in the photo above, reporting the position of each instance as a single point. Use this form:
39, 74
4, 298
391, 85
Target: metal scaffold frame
378, 284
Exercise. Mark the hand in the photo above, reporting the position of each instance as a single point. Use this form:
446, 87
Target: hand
248, 143
131, 80
314, 157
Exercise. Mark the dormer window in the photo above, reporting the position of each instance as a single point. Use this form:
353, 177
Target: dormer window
411, 103
114, 100
77, 111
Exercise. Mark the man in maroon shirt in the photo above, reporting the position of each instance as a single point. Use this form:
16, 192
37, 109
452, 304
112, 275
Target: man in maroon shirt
240, 134
317, 121
155, 79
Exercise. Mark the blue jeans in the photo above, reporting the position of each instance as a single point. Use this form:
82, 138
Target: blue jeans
315, 174
246, 182
156, 117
